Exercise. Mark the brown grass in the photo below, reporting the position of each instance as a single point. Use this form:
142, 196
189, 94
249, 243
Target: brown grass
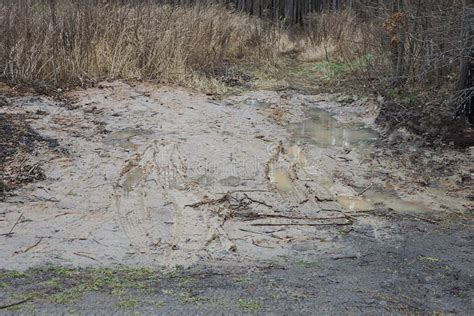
64, 43
60, 43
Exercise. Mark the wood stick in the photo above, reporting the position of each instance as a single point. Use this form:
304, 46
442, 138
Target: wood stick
10, 233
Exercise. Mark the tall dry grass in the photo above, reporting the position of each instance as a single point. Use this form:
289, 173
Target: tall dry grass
67, 42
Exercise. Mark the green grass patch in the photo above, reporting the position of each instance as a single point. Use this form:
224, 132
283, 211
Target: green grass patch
427, 259
249, 304
309, 264
128, 303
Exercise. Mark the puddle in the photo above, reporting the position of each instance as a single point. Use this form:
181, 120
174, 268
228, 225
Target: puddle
354, 203
123, 137
282, 181
133, 179
370, 200
203, 180
230, 181
323, 130
297, 154
257, 102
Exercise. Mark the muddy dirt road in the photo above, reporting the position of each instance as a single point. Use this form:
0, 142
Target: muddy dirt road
297, 194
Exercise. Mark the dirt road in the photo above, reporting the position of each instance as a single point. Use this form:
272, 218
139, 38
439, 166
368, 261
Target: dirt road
296, 194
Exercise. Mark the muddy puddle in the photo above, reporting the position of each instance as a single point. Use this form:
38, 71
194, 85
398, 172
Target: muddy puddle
370, 201
124, 138
320, 128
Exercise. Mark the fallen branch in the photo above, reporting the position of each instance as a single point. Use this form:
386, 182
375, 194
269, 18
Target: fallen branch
259, 233
302, 224
257, 201
365, 190
225, 198
345, 257
255, 244
255, 216
420, 218
319, 199
10, 233
85, 256
30, 247
15, 304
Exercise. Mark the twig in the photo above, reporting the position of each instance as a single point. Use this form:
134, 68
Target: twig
302, 224
244, 190
346, 257
225, 198
85, 256
10, 233
319, 199
431, 221
16, 303
34, 167
62, 214
256, 201
259, 233
365, 190
259, 216
30, 247
255, 244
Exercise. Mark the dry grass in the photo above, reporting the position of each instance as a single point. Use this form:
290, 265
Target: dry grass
64, 43
60, 43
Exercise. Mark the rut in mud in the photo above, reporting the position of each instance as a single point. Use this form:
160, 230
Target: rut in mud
166, 176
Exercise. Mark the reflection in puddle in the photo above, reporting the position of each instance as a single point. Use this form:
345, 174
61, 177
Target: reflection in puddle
323, 130
354, 203
256, 102
297, 154
370, 201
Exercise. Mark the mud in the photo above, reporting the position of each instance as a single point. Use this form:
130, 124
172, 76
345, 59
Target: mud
147, 176
429, 123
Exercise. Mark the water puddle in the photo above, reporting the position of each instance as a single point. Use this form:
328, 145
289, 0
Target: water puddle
355, 203
282, 181
257, 102
133, 178
122, 138
230, 181
203, 180
323, 130
372, 200
296, 153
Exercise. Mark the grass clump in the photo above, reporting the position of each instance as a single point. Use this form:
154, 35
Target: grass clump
249, 304
128, 303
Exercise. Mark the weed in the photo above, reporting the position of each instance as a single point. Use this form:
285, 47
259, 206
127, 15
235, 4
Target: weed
427, 259
309, 264
249, 304
188, 298
12, 274
128, 303
70, 295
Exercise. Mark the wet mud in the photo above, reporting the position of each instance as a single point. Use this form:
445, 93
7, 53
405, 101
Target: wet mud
148, 177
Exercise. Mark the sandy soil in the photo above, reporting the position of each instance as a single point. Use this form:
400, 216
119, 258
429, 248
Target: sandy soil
147, 176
